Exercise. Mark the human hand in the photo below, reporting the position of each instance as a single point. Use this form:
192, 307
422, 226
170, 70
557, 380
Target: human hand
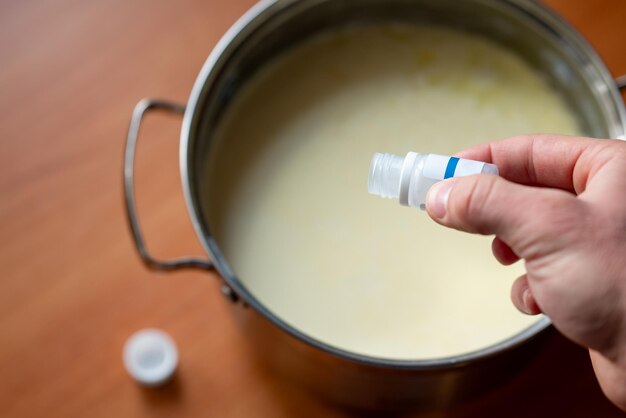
560, 205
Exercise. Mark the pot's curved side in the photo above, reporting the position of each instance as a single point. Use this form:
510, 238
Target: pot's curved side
366, 387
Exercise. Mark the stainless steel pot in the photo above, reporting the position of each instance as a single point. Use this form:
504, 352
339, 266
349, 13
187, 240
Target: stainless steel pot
269, 28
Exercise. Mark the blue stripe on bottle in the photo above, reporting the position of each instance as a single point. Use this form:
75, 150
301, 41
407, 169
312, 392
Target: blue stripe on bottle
451, 167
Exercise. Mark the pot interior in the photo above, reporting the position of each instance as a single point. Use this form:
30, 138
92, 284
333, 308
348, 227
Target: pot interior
577, 77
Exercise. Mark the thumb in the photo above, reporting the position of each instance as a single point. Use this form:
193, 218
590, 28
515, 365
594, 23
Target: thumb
519, 215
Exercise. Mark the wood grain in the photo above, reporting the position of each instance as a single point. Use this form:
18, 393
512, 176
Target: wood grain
72, 288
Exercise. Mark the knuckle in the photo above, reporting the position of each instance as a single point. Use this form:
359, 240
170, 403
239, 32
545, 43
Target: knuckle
558, 222
557, 217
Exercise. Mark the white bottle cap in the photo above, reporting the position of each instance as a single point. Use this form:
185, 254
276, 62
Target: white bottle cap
150, 356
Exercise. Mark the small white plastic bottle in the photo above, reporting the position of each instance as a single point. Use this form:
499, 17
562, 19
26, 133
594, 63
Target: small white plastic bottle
409, 179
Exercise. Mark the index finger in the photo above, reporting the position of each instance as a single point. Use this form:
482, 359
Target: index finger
558, 161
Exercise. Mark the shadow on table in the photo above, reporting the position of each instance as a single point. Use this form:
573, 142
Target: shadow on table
169, 393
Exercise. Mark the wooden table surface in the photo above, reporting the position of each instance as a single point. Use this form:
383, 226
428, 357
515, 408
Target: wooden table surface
72, 288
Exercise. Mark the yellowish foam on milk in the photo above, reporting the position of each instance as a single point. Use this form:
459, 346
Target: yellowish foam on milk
288, 192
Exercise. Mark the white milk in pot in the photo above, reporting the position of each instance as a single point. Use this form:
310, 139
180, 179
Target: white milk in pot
289, 203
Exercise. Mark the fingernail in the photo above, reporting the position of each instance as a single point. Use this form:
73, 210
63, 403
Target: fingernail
526, 301
437, 199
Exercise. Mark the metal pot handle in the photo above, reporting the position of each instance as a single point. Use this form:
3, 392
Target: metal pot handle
129, 190
621, 82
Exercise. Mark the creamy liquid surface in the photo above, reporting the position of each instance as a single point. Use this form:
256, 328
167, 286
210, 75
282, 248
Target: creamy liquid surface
289, 203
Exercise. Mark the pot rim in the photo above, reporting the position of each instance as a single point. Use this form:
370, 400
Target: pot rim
254, 17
